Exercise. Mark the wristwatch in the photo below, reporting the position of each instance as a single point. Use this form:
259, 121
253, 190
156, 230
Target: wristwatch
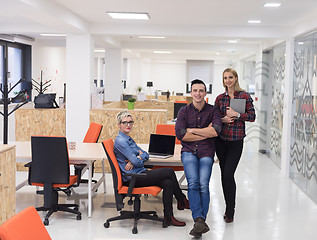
238, 115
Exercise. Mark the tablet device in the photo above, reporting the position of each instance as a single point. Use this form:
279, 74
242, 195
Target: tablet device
238, 104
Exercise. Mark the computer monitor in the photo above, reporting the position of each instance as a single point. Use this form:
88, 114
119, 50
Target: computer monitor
177, 107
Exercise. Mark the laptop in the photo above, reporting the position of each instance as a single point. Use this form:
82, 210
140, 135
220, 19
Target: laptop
161, 146
238, 104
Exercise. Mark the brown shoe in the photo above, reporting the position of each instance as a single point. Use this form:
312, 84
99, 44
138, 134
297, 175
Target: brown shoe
174, 222
227, 219
195, 234
183, 205
200, 226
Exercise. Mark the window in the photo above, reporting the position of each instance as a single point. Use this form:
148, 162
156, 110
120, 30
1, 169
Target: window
15, 60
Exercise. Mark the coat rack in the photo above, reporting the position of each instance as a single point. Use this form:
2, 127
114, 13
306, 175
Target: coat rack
40, 87
6, 101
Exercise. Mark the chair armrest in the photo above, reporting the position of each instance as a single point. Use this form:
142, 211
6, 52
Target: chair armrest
29, 164
78, 171
132, 181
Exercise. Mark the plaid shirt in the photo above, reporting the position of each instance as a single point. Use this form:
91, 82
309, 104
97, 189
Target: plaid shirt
235, 130
190, 117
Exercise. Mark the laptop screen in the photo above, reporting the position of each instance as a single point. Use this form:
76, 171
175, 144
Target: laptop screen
162, 144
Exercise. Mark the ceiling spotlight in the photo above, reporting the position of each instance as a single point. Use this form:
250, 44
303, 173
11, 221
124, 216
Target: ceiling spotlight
300, 43
272, 5
232, 41
129, 15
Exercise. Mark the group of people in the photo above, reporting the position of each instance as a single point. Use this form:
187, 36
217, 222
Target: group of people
204, 130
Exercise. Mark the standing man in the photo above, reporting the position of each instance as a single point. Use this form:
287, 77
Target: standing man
197, 126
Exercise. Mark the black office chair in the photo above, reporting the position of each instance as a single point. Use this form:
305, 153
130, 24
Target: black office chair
50, 169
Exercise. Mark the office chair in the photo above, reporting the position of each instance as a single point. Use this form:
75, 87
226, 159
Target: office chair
92, 136
50, 169
26, 225
121, 192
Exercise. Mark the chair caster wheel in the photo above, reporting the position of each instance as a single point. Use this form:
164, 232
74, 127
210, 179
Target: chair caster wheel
76, 209
46, 222
106, 224
78, 217
155, 215
134, 230
164, 225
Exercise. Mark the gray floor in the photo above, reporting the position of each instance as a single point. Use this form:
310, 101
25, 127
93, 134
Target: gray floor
269, 206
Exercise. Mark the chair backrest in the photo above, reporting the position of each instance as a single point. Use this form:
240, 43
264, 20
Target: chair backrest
26, 225
50, 161
167, 129
108, 145
93, 133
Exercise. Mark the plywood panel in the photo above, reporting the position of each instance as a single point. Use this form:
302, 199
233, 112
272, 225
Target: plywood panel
7, 183
30, 121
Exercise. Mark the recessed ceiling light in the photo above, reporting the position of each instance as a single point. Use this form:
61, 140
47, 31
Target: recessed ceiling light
162, 52
53, 35
129, 15
232, 41
272, 4
217, 53
100, 50
300, 43
254, 21
155, 37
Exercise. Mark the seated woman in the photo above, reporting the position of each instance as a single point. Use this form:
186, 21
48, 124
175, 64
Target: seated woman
131, 159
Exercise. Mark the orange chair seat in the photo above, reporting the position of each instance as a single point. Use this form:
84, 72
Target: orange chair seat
26, 225
72, 181
153, 190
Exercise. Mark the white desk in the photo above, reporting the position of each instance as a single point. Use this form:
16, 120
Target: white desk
85, 153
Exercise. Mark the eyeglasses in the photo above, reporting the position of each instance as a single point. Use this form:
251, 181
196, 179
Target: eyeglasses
125, 123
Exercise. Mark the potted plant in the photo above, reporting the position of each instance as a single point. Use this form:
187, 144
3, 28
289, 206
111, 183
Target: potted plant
131, 102
139, 94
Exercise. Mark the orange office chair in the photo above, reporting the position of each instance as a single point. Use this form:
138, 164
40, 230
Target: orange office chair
93, 133
121, 192
92, 136
26, 225
181, 102
50, 169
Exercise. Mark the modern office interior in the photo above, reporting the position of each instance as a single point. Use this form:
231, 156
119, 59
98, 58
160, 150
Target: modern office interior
93, 63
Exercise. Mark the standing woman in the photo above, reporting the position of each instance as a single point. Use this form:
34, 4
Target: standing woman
229, 143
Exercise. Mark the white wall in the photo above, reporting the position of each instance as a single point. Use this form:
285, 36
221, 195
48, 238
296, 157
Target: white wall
50, 57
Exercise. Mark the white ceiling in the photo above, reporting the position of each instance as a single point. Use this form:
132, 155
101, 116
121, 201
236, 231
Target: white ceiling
193, 28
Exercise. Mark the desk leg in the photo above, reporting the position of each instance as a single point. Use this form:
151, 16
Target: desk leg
89, 189
104, 176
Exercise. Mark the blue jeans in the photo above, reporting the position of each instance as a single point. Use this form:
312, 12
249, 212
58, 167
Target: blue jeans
198, 172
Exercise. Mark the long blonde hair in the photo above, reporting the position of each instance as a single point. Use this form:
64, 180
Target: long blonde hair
236, 85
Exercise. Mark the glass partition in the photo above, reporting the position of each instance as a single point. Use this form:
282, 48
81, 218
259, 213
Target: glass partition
303, 158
